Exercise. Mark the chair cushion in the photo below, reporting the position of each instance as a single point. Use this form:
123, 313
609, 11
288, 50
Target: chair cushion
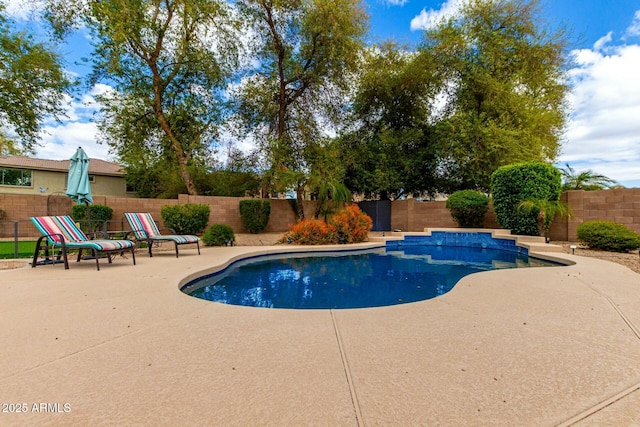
142, 225
102, 245
179, 239
64, 225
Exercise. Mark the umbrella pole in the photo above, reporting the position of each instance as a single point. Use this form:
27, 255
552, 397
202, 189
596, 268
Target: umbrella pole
89, 218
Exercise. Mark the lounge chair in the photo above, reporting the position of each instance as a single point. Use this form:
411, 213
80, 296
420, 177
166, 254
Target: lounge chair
144, 229
62, 233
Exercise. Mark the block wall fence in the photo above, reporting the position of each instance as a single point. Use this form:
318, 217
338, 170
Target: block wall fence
620, 205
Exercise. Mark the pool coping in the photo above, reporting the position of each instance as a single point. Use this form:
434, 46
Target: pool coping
124, 346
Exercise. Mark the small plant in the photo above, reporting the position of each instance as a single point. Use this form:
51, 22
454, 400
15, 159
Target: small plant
185, 219
255, 214
468, 207
547, 210
98, 214
311, 232
352, 224
3, 215
608, 236
219, 235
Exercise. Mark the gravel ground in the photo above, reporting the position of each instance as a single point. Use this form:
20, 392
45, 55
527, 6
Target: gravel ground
630, 260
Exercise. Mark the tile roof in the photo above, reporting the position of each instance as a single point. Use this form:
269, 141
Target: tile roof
96, 166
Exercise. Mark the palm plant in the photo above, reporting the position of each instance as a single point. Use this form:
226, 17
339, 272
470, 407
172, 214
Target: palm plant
546, 211
586, 180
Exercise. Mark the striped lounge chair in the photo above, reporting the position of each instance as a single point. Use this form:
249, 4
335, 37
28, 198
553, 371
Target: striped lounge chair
62, 233
144, 228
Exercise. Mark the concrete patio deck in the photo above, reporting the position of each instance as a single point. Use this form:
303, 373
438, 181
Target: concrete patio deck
123, 346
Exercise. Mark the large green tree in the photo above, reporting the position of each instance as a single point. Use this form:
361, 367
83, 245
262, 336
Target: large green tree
389, 150
304, 52
33, 86
505, 88
168, 61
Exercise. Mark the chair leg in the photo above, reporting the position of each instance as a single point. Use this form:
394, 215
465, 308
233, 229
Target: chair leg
176, 243
64, 256
95, 255
133, 254
79, 255
198, 243
149, 244
37, 252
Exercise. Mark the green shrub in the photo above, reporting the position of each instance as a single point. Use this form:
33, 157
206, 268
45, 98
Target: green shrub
185, 219
97, 213
3, 215
255, 214
513, 184
468, 207
219, 235
352, 224
608, 236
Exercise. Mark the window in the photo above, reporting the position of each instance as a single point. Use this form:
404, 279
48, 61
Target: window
17, 177
92, 179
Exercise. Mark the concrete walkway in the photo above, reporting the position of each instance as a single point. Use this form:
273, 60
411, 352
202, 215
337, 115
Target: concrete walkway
123, 346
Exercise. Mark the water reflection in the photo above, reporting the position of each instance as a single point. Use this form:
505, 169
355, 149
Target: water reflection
353, 281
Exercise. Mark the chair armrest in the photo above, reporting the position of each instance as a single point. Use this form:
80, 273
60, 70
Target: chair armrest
134, 232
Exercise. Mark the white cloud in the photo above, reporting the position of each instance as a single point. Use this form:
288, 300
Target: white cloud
396, 2
59, 140
602, 41
603, 133
21, 9
634, 29
430, 18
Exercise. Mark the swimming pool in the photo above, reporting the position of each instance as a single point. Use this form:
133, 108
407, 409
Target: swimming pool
397, 274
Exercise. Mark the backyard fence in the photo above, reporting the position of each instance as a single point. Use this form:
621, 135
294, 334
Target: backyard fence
620, 205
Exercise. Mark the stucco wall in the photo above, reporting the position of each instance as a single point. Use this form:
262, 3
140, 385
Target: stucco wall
56, 182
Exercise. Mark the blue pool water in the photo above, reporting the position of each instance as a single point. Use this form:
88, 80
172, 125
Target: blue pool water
395, 275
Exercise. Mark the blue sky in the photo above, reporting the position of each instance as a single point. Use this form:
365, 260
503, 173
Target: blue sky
603, 133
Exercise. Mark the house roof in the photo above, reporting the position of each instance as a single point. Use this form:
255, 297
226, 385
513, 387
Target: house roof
96, 166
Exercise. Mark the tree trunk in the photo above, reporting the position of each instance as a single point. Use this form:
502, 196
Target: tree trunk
299, 200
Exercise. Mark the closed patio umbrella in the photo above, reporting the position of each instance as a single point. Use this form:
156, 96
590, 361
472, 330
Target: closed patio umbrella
78, 187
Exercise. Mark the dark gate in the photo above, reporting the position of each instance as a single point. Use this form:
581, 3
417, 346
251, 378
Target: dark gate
380, 213
58, 204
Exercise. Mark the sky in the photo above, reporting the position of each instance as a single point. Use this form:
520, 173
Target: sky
603, 131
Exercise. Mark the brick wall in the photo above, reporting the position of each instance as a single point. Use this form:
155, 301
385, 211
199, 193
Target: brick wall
224, 210
622, 206
413, 215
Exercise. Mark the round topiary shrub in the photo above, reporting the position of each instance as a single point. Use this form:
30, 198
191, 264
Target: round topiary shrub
468, 207
254, 214
513, 184
219, 235
608, 236
185, 219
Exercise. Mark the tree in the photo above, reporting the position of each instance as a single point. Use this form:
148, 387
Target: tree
305, 49
389, 150
33, 86
546, 210
504, 89
585, 180
168, 62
